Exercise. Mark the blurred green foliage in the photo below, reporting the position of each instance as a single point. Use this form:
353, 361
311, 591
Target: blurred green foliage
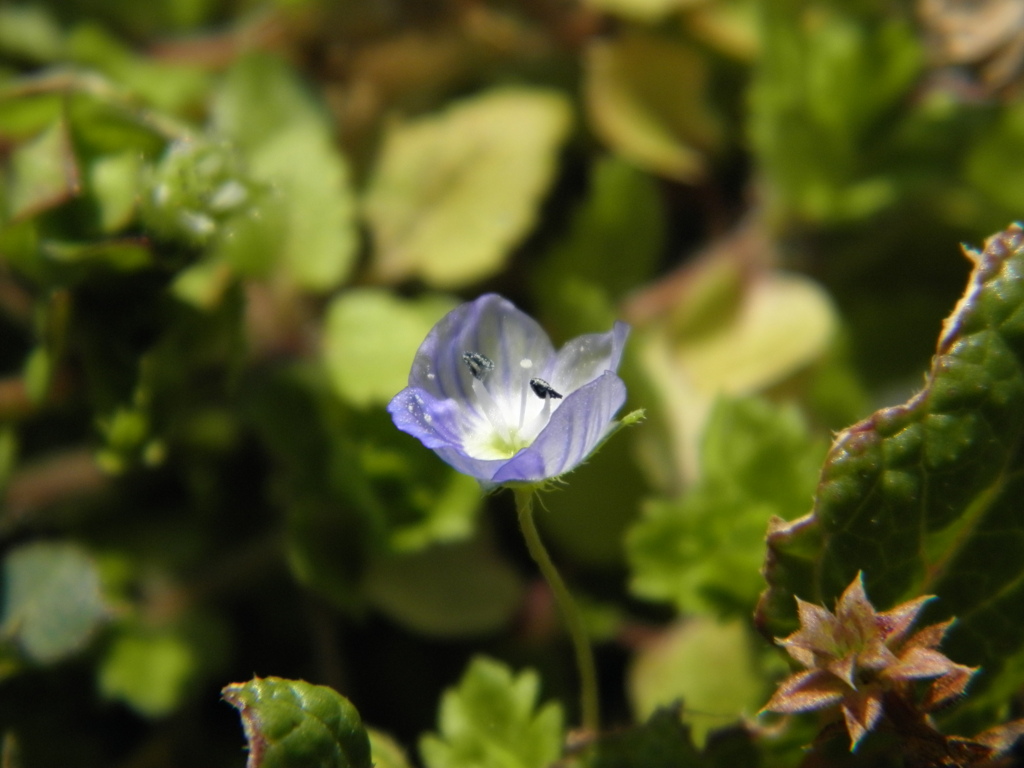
225, 227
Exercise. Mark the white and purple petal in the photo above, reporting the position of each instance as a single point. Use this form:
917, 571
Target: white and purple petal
475, 394
573, 432
586, 357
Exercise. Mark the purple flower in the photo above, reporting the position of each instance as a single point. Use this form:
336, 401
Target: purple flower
491, 396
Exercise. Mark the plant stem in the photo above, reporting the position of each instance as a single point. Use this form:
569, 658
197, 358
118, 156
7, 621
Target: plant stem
589, 706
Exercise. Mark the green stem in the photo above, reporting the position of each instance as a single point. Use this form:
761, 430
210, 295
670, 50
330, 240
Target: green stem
570, 612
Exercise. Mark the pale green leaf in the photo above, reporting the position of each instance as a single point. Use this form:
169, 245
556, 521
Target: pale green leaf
148, 671
491, 720
52, 600
387, 753
287, 136
370, 339
114, 182
709, 664
645, 96
453, 193
44, 173
641, 10
310, 179
29, 31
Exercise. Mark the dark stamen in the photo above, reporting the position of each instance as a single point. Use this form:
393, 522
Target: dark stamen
479, 365
543, 390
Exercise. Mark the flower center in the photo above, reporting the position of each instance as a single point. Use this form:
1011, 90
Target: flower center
512, 417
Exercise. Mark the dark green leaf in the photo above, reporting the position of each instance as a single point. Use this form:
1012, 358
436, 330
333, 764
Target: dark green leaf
294, 724
664, 741
446, 590
491, 720
924, 497
611, 247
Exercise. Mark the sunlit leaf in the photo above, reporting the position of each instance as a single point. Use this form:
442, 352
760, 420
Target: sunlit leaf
446, 590
288, 139
260, 97
30, 32
646, 99
708, 664
453, 193
924, 497
492, 720
387, 753
724, 329
114, 183
291, 723
44, 173
52, 599
149, 672
370, 338
783, 323
641, 10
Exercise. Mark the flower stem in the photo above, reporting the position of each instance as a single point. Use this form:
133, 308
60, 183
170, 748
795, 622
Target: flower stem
570, 612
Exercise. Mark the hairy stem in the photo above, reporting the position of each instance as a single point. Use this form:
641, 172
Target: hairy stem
570, 612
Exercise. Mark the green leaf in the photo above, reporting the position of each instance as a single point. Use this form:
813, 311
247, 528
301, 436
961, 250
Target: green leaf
491, 720
44, 173
287, 136
261, 96
311, 179
29, 32
387, 753
52, 600
448, 590
830, 89
645, 95
294, 724
664, 741
641, 10
781, 323
148, 671
114, 183
370, 339
704, 551
453, 193
614, 239
995, 163
924, 497
193, 189
709, 664
170, 87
